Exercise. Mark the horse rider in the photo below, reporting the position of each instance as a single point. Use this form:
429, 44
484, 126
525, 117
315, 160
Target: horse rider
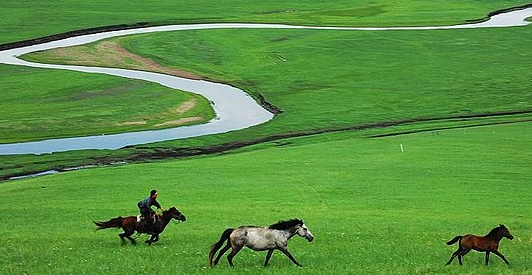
145, 209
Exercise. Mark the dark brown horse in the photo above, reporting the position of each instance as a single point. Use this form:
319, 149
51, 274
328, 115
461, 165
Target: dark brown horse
488, 244
130, 225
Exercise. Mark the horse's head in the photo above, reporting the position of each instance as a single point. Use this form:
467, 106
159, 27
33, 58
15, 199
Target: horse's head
303, 231
505, 232
175, 214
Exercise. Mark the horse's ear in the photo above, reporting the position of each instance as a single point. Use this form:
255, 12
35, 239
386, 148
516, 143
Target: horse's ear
502, 225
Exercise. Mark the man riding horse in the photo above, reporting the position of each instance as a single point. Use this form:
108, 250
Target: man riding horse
145, 209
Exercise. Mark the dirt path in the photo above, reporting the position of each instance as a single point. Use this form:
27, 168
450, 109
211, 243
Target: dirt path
109, 53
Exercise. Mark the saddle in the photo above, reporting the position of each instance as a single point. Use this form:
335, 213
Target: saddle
140, 218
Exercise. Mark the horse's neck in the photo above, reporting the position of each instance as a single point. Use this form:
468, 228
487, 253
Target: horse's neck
495, 235
165, 220
289, 233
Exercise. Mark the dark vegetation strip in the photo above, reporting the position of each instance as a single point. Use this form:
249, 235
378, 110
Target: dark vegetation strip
497, 12
59, 36
161, 153
166, 153
268, 106
447, 128
80, 32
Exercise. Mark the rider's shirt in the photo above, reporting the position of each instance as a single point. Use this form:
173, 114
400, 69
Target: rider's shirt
147, 203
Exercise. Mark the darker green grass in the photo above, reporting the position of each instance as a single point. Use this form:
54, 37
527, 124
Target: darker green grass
31, 19
77, 104
335, 79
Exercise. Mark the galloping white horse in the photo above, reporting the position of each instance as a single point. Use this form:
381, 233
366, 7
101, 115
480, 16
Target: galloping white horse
257, 238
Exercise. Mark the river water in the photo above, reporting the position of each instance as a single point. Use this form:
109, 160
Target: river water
235, 109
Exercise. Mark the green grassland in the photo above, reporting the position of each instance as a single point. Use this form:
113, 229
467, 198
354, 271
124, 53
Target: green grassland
387, 76
337, 79
31, 19
39, 104
372, 208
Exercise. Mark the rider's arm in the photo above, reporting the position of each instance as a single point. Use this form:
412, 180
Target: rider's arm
156, 204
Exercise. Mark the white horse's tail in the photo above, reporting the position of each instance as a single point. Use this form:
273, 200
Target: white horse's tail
216, 246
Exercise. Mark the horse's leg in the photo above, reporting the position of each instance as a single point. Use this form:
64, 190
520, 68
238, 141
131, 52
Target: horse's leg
285, 251
220, 254
453, 256
129, 230
487, 256
122, 238
127, 234
462, 253
233, 253
153, 238
496, 252
268, 256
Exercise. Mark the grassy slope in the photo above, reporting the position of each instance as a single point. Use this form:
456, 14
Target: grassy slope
419, 74
30, 19
23, 163
331, 79
39, 104
372, 208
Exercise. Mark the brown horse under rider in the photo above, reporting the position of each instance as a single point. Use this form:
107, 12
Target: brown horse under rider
145, 209
130, 225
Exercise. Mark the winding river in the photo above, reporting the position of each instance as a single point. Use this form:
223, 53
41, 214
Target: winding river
234, 108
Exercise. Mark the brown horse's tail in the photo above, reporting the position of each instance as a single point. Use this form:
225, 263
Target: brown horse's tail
216, 246
114, 222
455, 239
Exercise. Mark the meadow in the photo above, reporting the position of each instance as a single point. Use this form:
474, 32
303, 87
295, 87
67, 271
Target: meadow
330, 80
372, 208
19, 124
334, 79
80, 104
376, 205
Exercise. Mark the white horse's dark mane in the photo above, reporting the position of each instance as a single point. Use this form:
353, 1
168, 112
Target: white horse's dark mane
283, 225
